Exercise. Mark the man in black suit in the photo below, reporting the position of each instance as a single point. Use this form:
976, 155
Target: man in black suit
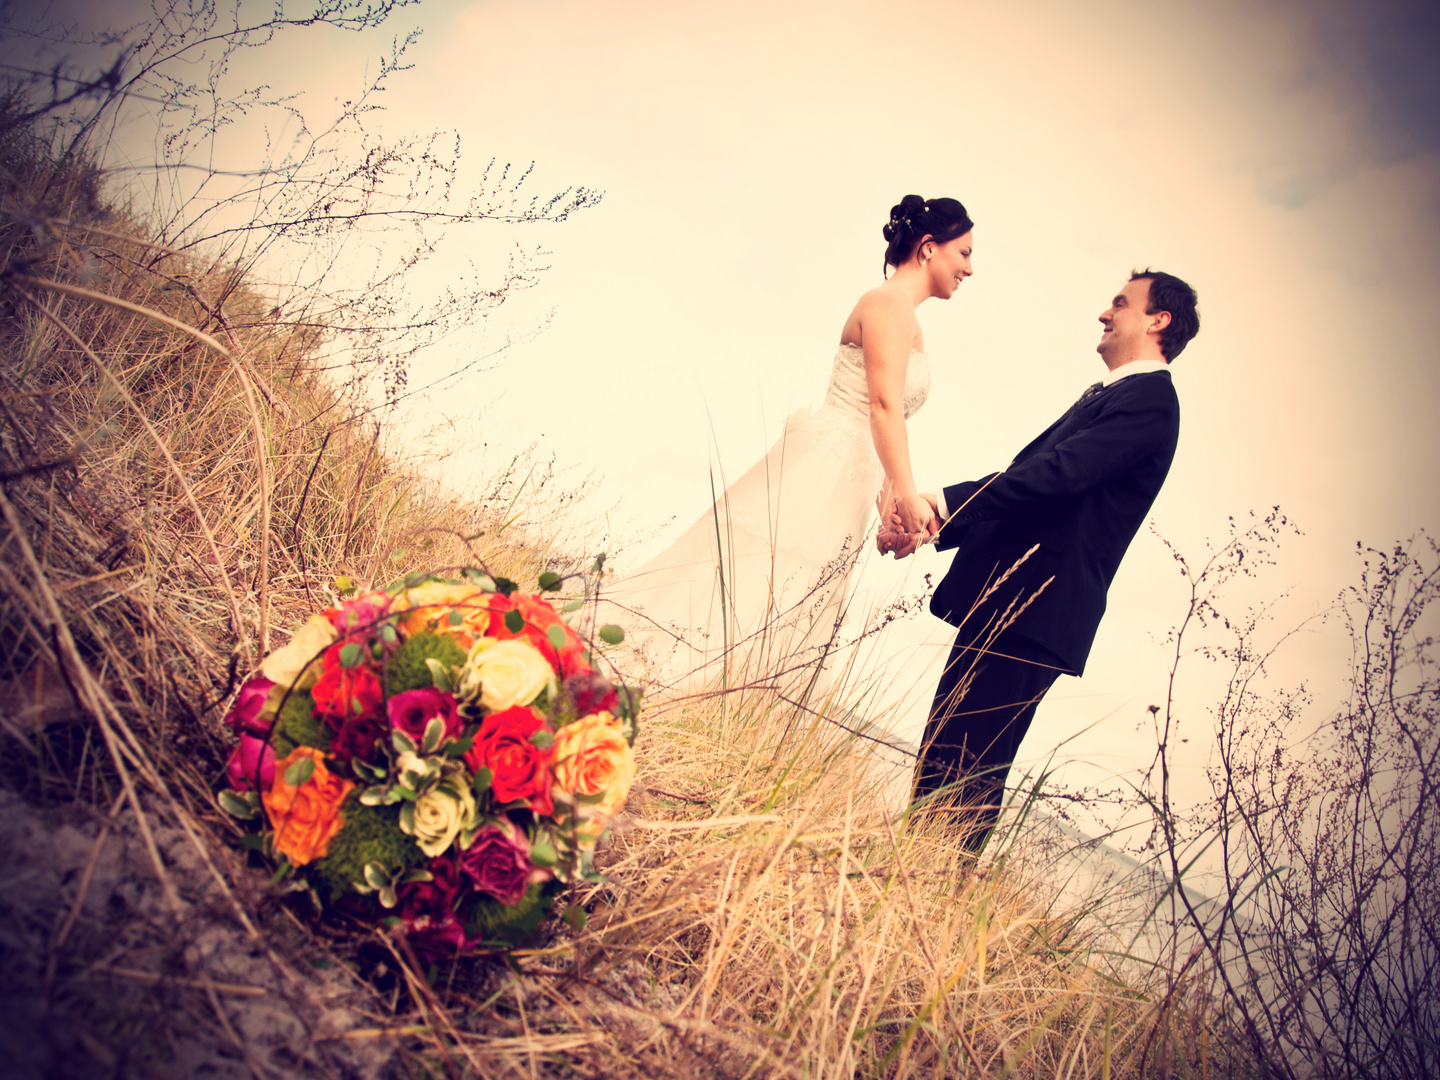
1038, 546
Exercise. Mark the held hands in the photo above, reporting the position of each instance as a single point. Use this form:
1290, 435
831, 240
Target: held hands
907, 523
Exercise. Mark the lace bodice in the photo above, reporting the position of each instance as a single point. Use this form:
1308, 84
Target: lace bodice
848, 391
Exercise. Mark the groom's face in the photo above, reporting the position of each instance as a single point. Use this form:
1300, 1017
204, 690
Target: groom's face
1125, 323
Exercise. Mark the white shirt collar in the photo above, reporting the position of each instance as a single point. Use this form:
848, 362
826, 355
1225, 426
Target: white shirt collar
1135, 367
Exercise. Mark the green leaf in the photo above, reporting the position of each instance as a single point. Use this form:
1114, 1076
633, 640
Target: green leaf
611, 634
410, 877
504, 586
482, 581
455, 617
407, 819
387, 896
514, 621
366, 771
253, 843
574, 917
375, 875
403, 743
599, 563
388, 634
549, 580
300, 771
590, 798
344, 584
440, 675
391, 922
434, 732
281, 872
573, 605
627, 709
483, 778
543, 739
236, 805
351, 654
543, 854
556, 636
373, 796
459, 747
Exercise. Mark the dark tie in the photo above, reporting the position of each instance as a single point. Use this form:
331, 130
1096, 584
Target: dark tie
1090, 391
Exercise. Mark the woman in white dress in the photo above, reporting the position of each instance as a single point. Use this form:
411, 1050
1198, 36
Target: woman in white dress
759, 581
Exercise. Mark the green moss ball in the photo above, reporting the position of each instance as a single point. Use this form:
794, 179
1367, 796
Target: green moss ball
407, 670
370, 834
492, 923
296, 726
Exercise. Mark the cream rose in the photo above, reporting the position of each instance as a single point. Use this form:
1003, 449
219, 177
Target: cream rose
291, 665
440, 814
503, 674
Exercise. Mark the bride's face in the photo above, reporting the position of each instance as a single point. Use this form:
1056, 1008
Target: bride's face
949, 264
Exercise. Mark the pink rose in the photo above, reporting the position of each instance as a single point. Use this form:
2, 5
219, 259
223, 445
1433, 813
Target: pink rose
358, 619
251, 765
245, 714
498, 863
412, 710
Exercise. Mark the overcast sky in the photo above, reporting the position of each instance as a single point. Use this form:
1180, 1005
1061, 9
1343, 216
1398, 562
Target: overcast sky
1283, 156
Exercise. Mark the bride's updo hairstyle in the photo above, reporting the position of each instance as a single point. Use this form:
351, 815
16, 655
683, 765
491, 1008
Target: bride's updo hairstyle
913, 218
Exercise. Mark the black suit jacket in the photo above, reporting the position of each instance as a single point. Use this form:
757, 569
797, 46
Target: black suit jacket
1080, 491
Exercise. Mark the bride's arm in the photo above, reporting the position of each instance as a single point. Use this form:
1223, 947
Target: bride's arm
887, 322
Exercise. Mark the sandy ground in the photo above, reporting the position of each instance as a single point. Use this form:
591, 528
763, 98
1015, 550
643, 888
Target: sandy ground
103, 978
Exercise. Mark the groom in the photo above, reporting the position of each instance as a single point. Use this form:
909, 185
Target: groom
1038, 546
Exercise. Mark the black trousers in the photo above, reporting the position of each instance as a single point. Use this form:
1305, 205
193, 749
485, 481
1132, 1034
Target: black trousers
983, 706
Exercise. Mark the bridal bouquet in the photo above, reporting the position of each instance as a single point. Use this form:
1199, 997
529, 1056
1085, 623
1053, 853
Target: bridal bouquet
439, 756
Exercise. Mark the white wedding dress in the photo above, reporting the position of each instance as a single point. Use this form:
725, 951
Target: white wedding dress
759, 582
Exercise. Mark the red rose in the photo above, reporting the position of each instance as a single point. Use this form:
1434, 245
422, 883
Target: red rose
498, 863
357, 738
539, 617
518, 768
412, 710
437, 937
427, 909
245, 714
435, 898
343, 692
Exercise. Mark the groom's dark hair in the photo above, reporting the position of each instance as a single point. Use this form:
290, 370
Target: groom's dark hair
1169, 293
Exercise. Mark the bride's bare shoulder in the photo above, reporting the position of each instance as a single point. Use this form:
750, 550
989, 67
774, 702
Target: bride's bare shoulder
883, 309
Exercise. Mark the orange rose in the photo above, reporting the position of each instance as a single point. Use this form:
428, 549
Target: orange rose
306, 816
592, 758
430, 605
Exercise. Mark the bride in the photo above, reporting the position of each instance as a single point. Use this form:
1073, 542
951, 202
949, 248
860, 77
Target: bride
760, 579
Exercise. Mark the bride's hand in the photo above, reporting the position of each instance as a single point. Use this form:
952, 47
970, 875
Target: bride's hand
916, 514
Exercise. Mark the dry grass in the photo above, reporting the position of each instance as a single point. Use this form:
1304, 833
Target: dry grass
179, 487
